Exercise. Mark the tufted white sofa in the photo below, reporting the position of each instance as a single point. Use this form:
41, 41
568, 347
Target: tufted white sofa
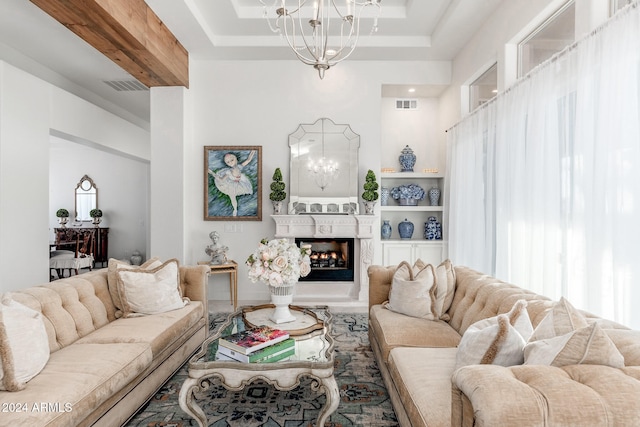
101, 370
417, 359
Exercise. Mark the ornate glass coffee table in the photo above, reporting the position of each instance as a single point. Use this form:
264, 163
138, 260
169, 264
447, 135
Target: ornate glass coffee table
313, 358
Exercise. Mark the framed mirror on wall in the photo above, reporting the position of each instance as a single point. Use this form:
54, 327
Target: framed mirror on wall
324, 169
86, 197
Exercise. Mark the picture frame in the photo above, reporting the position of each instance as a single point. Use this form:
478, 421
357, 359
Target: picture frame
233, 183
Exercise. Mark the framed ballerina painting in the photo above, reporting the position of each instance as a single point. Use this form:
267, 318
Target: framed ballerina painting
232, 183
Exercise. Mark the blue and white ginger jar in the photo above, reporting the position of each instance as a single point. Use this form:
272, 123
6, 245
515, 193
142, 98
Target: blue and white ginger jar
405, 229
432, 229
407, 159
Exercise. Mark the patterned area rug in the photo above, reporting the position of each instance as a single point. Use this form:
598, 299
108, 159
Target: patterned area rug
363, 398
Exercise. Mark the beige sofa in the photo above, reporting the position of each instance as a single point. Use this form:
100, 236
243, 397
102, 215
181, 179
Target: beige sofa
417, 358
101, 369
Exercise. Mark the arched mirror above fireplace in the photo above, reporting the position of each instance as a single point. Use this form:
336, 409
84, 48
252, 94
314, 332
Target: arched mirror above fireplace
324, 169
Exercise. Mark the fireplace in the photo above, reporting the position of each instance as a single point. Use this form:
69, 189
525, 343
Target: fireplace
331, 259
357, 228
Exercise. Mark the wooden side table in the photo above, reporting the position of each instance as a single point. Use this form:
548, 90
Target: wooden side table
230, 267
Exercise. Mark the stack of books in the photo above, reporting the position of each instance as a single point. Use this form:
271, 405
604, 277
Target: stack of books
261, 344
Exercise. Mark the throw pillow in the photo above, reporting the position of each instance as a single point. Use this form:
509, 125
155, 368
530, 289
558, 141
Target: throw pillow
24, 345
446, 279
498, 340
112, 279
561, 319
588, 346
413, 291
150, 291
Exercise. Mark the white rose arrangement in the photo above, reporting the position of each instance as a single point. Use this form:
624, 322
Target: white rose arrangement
279, 262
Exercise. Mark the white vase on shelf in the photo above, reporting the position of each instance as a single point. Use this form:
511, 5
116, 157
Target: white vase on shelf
281, 297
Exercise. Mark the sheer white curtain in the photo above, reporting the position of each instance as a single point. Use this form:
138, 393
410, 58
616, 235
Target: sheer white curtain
470, 222
544, 183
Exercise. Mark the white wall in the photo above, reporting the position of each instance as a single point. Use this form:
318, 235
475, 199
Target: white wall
123, 189
417, 128
261, 103
24, 174
31, 109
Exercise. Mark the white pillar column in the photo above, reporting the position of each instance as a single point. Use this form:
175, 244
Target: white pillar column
167, 188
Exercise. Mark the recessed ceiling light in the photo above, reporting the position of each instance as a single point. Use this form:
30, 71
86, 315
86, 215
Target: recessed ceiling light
494, 91
411, 90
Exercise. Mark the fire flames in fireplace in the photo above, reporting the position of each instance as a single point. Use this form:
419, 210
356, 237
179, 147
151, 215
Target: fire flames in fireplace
331, 259
328, 259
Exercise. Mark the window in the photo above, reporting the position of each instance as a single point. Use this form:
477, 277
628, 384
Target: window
616, 5
551, 37
483, 88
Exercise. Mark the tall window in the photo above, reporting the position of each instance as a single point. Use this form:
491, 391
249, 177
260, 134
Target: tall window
551, 37
616, 5
544, 182
483, 88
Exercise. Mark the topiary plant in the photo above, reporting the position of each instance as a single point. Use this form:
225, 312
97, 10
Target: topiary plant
277, 187
370, 186
62, 213
95, 213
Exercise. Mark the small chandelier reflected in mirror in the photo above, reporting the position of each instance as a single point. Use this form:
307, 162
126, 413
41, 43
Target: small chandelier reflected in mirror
324, 171
321, 33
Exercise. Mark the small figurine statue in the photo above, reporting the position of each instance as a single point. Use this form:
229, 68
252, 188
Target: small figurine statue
217, 253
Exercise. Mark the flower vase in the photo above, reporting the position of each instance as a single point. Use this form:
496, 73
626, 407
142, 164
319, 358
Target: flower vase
63, 220
408, 202
281, 297
96, 221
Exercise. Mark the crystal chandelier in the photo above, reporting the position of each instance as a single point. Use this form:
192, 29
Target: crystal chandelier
321, 33
323, 170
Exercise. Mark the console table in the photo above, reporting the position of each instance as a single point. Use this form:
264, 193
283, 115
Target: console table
67, 236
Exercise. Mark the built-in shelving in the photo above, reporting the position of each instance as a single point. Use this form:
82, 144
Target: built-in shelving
396, 249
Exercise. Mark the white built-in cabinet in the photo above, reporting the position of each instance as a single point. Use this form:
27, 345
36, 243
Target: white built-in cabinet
395, 250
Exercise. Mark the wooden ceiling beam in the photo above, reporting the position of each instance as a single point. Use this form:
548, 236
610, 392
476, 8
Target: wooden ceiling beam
129, 33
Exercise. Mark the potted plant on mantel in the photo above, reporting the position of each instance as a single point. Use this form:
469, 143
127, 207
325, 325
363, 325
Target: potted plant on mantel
277, 194
63, 217
370, 194
96, 215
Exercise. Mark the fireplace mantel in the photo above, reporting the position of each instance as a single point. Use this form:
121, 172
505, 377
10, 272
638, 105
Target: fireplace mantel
359, 227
